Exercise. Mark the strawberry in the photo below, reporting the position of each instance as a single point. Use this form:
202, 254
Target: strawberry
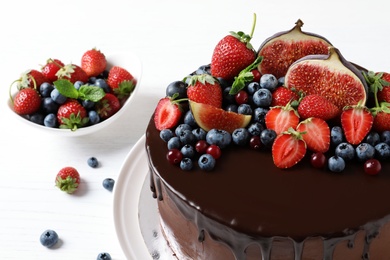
50, 69
93, 62
288, 149
68, 179
71, 115
381, 117
356, 122
317, 106
167, 113
384, 93
72, 73
121, 81
34, 79
282, 95
315, 133
26, 101
232, 54
280, 119
205, 89
108, 106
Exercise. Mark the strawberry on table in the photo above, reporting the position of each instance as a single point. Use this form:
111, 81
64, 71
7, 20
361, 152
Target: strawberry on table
317, 106
108, 106
356, 122
288, 149
93, 62
26, 101
121, 81
72, 115
232, 54
281, 118
205, 89
316, 134
50, 69
167, 113
68, 179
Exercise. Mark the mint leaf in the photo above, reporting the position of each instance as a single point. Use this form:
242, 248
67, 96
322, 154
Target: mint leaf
92, 93
244, 76
66, 88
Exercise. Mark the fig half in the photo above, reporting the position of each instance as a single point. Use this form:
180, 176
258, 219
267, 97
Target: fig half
282, 49
330, 76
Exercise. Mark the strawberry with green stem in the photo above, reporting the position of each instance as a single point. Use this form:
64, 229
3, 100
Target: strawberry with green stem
167, 113
72, 115
68, 179
121, 81
205, 89
93, 62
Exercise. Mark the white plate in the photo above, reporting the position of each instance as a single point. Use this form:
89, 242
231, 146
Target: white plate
135, 210
127, 60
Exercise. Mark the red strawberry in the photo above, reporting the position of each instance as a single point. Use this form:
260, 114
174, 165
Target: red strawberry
50, 69
384, 93
356, 122
35, 78
381, 117
288, 149
280, 119
68, 179
281, 96
72, 115
205, 89
232, 54
73, 73
26, 101
317, 106
108, 106
167, 114
316, 134
93, 62
121, 81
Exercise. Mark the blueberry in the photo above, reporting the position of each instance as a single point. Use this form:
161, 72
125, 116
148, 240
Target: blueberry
232, 108
174, 143
281, 81
92, 80
104, 256
253, 87
385, 137
177, 87
336, 135
259, 115
227, 98
223, 82
268, 81
267, 137
57, 96
181, 128
49, 238
199, 133
49, 105
218, 137
186, 164
93, 162
373, 138
244, 109
262, 97
108, 184
187, 137
188, 151
345, 151
336, 164
382, 150
101, 83
94, 117
166, 134
45, 89
204, 69
241, 136
206, 162
78, 84
255, 128
189, 119
50, 120
365, 151
88, 104
37, 118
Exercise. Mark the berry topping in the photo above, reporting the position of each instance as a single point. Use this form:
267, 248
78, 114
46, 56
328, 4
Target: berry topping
288, 149
167, 113
356, 122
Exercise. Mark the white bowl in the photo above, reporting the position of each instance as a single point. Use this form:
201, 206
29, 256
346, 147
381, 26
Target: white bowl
127, 60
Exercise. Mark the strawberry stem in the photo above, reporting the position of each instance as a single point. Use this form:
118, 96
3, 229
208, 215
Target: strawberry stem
253, 25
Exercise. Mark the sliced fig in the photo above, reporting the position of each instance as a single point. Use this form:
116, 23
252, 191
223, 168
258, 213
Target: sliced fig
209, 117
330, 76
282, 49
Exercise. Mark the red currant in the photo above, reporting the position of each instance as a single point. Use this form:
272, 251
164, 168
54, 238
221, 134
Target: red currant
201, 146
214, 151
318, 160
372, 166
174, 156
255, 142
241, 97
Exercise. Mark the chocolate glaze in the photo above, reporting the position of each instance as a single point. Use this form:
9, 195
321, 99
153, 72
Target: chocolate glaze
246, 199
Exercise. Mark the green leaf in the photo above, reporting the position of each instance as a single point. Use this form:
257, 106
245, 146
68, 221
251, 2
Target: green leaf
244, 76
66, 88
92, 93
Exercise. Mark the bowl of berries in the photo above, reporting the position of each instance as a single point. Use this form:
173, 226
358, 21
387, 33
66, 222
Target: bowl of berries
76, 99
